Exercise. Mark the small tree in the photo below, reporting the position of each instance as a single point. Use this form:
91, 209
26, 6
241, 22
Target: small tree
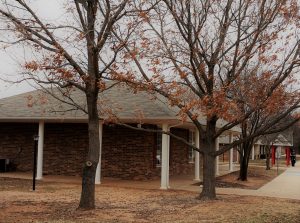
248, 144
273, 116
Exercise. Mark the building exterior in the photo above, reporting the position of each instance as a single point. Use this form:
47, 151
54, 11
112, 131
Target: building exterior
280, 145
125, 153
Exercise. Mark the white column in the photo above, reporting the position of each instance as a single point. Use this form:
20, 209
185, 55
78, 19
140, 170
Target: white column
168, 165
98, 170
164, 159
253, 152
39, 168
217, 158
231, 153
197, 156
237, 155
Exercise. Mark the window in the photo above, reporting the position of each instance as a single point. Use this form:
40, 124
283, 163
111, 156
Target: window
191, 151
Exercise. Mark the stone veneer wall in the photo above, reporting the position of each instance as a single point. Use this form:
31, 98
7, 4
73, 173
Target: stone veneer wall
126, 153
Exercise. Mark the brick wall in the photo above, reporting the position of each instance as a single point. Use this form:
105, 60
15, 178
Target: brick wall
126, 153
179, 158
65, 146
130, 154
15, 138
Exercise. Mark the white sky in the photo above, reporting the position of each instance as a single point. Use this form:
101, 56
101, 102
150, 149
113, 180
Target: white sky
9, 68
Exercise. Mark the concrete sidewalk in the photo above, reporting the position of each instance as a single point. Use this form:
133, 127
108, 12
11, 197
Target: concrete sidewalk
286, 185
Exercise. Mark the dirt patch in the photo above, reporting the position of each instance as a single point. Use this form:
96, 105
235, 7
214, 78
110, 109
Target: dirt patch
257, 177
57, 202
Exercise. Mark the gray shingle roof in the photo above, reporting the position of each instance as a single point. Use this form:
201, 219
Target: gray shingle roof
125, 104
121, 100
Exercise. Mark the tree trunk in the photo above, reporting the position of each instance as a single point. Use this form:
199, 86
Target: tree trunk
246, 149
243, 168
87, 200
208, 142
209, 178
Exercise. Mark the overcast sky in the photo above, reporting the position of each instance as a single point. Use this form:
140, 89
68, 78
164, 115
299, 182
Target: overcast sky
9, 68
8, 60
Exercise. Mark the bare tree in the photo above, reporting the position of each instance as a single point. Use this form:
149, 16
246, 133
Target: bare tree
267, 127
195, 52
276, 114
75, 52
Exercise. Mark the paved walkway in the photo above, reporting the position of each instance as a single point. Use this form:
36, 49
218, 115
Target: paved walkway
286, 185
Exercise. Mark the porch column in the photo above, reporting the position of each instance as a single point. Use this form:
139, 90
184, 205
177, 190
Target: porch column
217, 158
164, 183
253, 152
98, 170
230, 153
39, 167
168, 165
237, 155
197, 156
